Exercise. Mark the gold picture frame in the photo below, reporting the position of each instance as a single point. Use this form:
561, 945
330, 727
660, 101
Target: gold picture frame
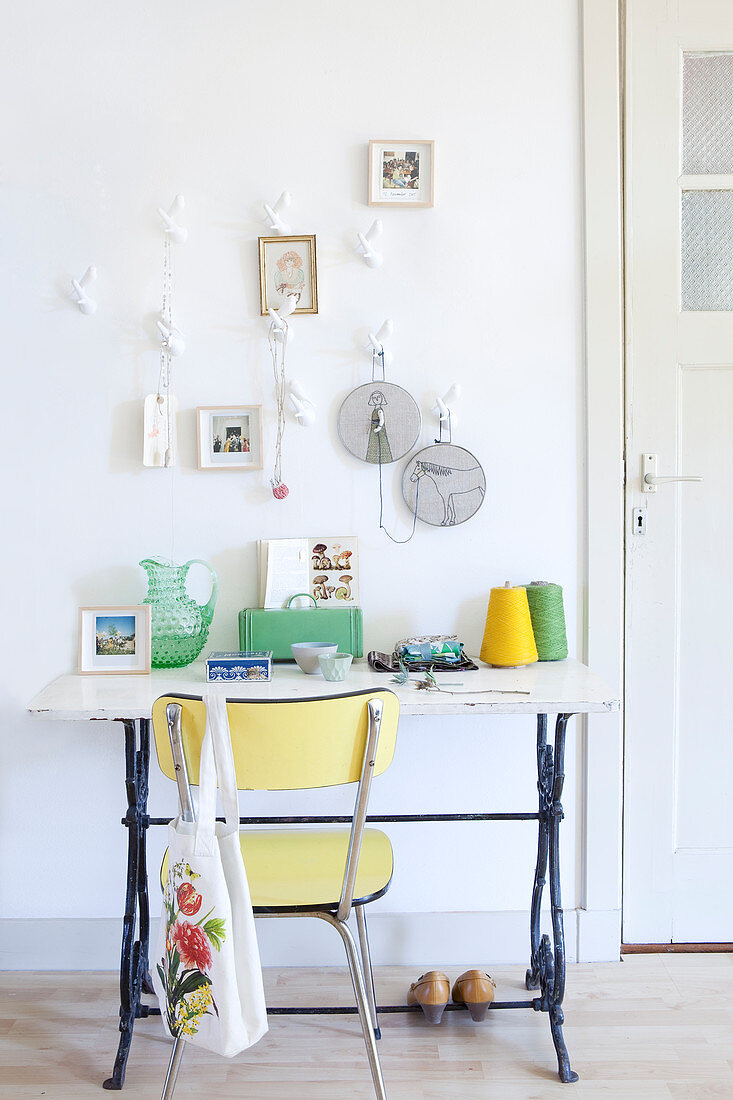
401, 173
287, 268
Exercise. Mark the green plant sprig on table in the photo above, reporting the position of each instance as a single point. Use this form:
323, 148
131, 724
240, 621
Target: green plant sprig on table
429, 683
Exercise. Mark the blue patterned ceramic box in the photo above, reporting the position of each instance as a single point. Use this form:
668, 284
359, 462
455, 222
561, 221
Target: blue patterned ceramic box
239, 666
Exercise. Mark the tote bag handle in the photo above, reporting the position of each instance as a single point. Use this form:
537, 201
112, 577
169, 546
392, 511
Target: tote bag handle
217, 764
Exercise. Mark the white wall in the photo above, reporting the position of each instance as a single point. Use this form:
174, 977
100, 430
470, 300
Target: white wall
111, 110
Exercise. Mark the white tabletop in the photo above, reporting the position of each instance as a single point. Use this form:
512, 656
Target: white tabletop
554, 687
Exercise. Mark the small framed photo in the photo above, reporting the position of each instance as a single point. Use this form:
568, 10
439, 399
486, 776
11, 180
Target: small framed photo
401, 173
114, 639
288, 269
230, 437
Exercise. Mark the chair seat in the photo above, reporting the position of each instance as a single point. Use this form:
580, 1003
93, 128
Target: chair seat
296, 869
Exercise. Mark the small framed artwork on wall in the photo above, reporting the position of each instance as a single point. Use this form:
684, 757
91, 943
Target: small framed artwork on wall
401, 173
114, 639
288, 269
230, 437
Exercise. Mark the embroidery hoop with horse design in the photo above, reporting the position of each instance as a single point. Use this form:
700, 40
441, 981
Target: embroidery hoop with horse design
452, 485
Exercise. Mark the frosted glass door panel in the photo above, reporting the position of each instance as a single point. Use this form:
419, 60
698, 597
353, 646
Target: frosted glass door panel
707, 114
707, 250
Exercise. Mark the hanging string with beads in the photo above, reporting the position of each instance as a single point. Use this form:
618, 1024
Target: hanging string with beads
164, 373
278, 348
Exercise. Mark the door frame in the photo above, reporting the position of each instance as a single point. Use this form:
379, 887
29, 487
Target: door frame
601, 743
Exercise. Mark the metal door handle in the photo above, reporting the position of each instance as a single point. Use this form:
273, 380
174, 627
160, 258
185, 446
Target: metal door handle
649, 479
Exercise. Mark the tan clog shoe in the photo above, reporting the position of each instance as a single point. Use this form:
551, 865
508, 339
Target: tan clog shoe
431, 991
476, 990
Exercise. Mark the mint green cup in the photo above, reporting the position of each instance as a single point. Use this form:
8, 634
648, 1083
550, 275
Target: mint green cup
335, 666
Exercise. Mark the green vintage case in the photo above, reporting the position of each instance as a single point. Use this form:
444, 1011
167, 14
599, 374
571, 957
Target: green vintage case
277, 628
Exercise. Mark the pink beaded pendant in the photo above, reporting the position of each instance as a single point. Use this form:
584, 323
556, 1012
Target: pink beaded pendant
279, 491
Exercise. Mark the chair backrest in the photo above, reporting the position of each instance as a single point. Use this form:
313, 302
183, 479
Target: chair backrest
286, 745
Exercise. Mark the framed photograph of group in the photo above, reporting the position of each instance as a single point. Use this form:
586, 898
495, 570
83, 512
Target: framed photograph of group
288, 269
114, 639
230, 437
401, 173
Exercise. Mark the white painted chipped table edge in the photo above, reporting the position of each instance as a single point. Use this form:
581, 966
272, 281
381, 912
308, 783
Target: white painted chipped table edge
555, 687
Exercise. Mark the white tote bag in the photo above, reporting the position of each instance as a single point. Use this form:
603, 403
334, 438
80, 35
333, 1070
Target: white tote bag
207, 972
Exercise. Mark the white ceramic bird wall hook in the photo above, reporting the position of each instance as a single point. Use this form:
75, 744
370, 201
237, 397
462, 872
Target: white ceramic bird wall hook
280, 316
443, 407
86, 304
171, 227
303, 407
365, 246
450, 397
171, 338
274, 221
376, 342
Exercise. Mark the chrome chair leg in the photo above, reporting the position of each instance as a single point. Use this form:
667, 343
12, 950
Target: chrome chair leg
173, 1066
357, 980
366, 966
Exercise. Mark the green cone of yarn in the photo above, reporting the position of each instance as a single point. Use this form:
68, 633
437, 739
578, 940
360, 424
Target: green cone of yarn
548, 620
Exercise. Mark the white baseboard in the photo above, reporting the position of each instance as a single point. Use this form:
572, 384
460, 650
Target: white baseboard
397, 939
599, 935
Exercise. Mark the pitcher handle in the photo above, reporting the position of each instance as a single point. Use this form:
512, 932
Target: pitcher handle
207, 610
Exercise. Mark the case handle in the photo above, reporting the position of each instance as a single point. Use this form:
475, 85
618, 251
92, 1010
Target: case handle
298, 595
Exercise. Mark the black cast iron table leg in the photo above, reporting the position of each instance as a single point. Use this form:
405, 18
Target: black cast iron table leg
532, 978
134, 977
547, 962
143, 901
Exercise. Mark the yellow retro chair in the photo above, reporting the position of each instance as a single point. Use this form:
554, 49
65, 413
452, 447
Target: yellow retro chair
314, 872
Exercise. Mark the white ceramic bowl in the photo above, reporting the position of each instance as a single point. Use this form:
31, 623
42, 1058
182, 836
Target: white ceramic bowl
306, 654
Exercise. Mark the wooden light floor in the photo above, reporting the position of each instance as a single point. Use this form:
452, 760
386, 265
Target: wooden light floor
653, 1026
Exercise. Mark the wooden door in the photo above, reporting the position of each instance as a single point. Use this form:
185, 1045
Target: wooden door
678, 815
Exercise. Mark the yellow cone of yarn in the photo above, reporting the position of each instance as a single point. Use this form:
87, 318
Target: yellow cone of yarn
508, 637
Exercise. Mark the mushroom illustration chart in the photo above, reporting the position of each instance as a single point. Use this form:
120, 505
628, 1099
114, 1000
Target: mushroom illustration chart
322, 568
333, 577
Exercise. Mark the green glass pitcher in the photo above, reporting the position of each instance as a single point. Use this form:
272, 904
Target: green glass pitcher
180, 626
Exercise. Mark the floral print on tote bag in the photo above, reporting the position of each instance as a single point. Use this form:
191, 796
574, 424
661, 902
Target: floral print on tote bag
184, 969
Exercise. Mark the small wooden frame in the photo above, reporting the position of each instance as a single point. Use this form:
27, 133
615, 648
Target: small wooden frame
115, 641
229, 437
401, 173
